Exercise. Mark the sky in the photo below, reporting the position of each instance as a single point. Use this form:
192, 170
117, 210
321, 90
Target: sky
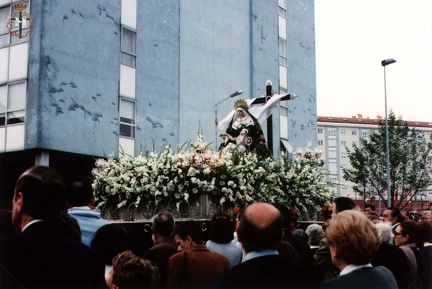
353, 36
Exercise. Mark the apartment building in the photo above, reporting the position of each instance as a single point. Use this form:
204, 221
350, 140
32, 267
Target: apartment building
83, 79
337, 134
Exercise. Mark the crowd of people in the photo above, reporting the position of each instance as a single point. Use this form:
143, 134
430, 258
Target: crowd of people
54, 238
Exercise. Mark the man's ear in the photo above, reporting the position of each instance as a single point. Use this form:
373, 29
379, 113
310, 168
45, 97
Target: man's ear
18, 201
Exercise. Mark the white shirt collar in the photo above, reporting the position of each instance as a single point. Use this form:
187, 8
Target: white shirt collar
350, 268
255, 254
31, 223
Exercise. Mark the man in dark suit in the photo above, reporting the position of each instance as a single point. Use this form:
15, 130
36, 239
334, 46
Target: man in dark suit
165, 246
260, 233
196, 266
42, 256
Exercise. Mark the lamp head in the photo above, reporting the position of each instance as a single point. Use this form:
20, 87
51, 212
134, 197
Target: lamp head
386, 62
234, 94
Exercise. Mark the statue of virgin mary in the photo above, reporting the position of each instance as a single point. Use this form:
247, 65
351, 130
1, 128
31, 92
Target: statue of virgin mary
244, 132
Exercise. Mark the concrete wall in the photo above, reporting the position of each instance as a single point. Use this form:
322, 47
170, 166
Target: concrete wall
301, 73
72, 100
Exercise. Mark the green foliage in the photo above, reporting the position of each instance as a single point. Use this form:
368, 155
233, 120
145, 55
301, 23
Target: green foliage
410, 163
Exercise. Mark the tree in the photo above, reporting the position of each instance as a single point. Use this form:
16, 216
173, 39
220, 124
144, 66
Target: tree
410, 163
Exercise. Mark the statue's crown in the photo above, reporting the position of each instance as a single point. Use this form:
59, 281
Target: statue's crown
241, 103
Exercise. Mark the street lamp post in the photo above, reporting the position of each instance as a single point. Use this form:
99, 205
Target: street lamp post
384, 63
234, 94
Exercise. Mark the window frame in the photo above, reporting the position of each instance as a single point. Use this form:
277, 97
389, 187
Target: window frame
5, 114
123, 51
131, 125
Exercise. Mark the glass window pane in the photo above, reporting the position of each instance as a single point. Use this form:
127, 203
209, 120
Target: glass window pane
17, 96
2, 119
4, 16
129, 41
3, 98
128, 59
127, 111
127, 130
15, 117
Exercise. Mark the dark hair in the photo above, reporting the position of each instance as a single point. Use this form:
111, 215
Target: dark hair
190, 228
163, 224
286, 215
258, 239
301, 234
343, 204
221, 229
110, 240
396, 213
370, 206
426, 231
80, 191
44, 192
411, 228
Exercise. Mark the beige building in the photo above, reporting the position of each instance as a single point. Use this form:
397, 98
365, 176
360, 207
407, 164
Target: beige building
336, 134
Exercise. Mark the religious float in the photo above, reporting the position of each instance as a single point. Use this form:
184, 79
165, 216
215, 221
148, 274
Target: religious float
195, 180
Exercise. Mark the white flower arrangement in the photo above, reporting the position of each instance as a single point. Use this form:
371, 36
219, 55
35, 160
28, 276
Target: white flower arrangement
172, 179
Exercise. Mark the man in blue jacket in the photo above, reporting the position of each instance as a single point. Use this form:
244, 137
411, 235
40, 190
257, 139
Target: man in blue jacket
81, 199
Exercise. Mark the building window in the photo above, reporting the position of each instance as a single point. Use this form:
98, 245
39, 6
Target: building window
5, 37
332, 132
282, 8
342, 131
343, 143
282, 52
354, 132
320, 142
128, 47
12, 103
354, 143
320, 130
127, 118
365, 133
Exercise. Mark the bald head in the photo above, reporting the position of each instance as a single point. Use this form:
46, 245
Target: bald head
260, 227
261, 214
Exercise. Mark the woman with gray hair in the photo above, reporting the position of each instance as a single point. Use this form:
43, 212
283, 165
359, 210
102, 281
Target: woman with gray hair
316, 234
388, 255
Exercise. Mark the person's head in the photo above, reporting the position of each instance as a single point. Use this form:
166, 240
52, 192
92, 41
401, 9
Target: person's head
373, 216
188, 234
299, 233
221, 229
407, 232
289, 221
426, 232
80, 192
316, 234
40, 193
385, 232
240, 112
163, 225
110, 240
260, 227
392, 215
352, 238
341, 204
131, 271
369, 208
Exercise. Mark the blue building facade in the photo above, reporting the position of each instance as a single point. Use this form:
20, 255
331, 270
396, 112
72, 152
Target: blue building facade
105, 76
